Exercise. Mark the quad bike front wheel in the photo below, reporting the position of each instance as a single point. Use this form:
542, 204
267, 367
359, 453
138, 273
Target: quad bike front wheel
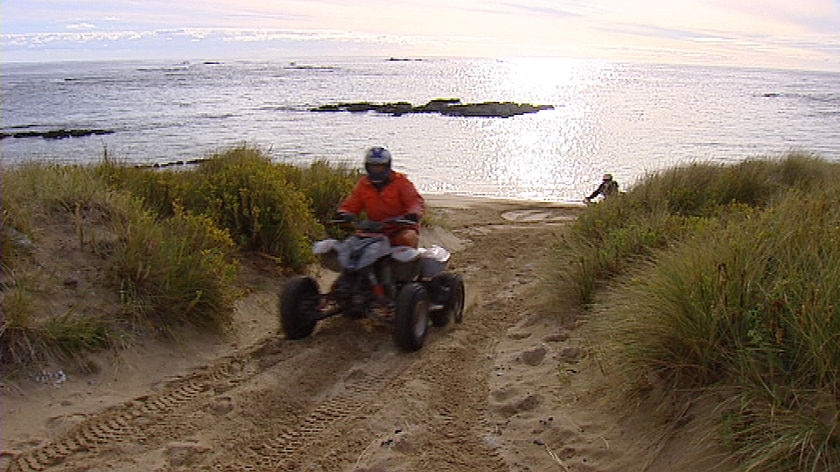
411, 317
299, 307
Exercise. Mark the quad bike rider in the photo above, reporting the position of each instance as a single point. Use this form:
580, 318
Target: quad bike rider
385, 194
383, 273
607, 188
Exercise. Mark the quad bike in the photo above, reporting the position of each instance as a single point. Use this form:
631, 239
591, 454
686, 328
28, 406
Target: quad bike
405, 287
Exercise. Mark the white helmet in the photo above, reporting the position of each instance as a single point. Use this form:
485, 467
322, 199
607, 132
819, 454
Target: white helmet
378, 156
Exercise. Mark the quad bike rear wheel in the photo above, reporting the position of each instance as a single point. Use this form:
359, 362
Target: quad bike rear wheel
448, 289
299, 307
411, 317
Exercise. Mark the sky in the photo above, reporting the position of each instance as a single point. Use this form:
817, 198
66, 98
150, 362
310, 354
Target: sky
785, 34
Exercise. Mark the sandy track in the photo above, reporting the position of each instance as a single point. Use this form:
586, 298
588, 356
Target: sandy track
498, 392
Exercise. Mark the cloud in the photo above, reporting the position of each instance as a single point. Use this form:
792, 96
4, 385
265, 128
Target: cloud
42, 39
81, 26
222, 34
542, 10
194, 43
607, 29
650, 31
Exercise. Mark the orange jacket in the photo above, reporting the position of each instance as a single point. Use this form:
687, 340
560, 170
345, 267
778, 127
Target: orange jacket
397, 198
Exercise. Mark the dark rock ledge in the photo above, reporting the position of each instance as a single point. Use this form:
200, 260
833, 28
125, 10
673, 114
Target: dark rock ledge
56, 133
444, 106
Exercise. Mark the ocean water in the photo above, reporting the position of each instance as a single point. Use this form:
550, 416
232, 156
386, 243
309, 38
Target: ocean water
625, 119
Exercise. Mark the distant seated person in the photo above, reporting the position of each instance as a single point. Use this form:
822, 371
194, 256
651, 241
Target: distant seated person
386, 194
608, 188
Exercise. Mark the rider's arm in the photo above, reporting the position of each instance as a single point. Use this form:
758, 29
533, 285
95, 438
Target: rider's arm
597, 192
355, 202
412, 200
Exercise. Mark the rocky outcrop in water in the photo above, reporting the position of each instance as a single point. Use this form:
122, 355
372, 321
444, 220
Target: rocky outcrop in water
444, 106
56, 133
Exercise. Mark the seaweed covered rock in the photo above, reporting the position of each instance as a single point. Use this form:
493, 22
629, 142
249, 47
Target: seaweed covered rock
444, 106
56, 133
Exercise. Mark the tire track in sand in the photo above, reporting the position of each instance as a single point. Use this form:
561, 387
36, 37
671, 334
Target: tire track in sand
133, 421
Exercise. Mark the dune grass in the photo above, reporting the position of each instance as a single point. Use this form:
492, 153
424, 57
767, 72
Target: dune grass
666, 206
165, 240
724, 281
31, 194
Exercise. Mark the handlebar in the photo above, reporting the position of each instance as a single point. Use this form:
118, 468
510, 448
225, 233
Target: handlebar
374, 226
400, 221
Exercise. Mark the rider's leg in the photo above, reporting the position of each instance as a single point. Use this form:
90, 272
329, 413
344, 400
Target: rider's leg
406, 237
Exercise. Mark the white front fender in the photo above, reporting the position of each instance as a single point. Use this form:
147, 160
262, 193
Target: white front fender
324, 246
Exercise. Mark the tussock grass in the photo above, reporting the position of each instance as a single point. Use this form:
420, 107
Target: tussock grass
20, 338
165, 240
725, 281
31, 194
664, 207
174, 271
27, 339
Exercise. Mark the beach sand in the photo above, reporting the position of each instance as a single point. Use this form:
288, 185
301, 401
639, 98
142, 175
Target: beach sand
515, 387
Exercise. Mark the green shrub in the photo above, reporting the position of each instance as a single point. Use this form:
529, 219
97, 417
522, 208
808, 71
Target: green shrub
325, 184
266, 207
253, 198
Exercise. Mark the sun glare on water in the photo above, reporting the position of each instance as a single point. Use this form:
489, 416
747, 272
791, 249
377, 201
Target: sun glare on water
540, 154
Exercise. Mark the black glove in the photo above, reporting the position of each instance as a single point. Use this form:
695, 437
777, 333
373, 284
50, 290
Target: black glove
346, 217
412, 217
